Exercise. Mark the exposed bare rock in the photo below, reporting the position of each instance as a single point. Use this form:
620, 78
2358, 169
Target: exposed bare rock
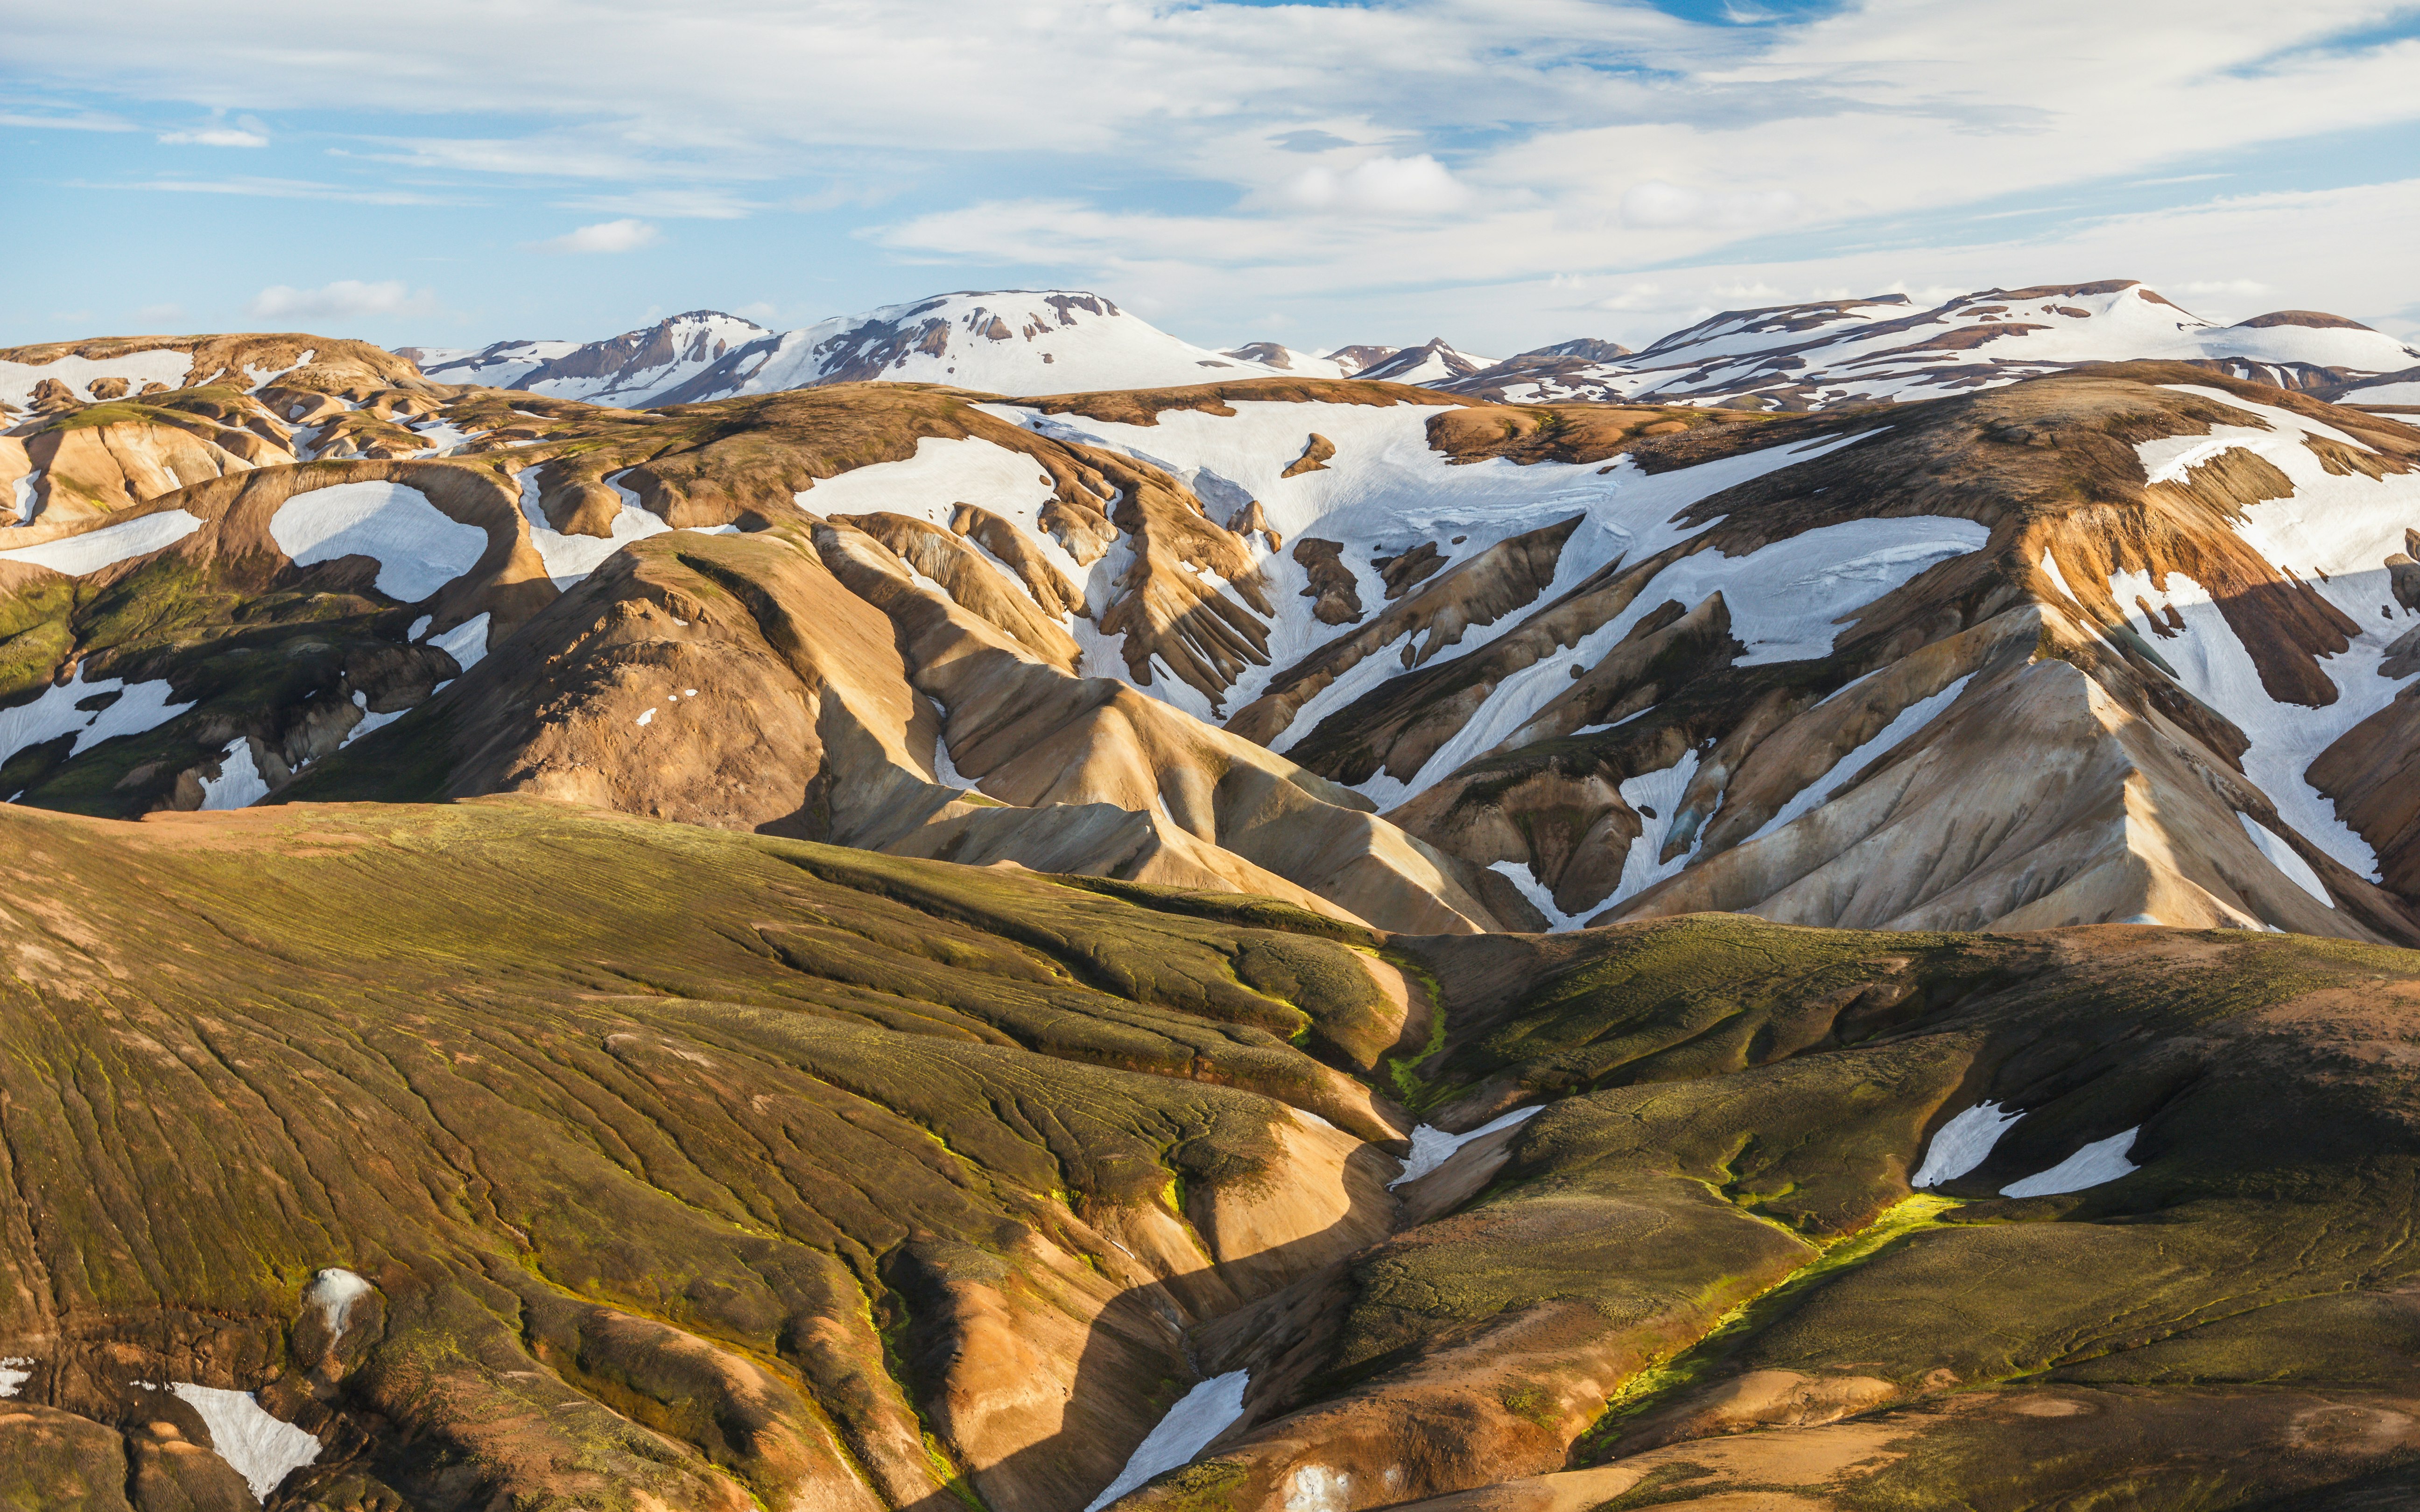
1315, 453
1332, 584
1405, 570
973, 582
1476, 591
1048, 586
1034, 738
1255, 517
2373, 777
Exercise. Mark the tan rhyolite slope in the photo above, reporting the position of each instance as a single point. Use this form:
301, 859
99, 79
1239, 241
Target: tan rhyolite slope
1073, 638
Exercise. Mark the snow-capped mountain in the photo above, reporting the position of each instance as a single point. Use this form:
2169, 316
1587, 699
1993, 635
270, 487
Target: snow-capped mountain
631, 370
1847, 351
1431, 365
1021, 342
1285, 359
1357, 360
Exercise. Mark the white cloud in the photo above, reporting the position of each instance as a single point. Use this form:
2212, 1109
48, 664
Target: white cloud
346, 299
214, 136
1376, 186
760, 312
1657, 204
628, 235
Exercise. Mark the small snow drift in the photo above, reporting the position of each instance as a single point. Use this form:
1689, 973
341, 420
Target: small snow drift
419, 548
1432, 1148
263, 1450
2103, 1160
334, 1291
1963, 1143
1198, 1416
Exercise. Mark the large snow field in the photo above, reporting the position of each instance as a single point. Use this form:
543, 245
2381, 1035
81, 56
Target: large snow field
1198, 1416
419, 548
17, 380
2333, 534
1785, 599
92, 550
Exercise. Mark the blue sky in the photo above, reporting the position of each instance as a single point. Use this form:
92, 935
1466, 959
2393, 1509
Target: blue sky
1503, 173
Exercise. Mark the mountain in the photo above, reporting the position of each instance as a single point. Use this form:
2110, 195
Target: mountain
881, 943
1355, 359
629, 369
1283, 359
1852, 351
1434, 364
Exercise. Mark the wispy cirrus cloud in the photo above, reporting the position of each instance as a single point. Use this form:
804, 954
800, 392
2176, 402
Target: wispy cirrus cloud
213, 136
628, 235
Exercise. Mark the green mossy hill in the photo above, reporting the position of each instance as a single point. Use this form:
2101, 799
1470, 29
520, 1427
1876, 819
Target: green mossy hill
632, 1126
1716, 1212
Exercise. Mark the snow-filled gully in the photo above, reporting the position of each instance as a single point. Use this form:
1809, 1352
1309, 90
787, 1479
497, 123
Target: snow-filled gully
1967, 1141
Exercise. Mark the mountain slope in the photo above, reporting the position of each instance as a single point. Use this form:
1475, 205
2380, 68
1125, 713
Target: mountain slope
703, 1170
1851, 351
1430, 664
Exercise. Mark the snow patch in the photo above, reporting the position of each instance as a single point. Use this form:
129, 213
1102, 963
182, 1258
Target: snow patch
419, 548
15, 1370
240, 782
2103, 1160
138, 708
1541, 897
1961, 1144
1198, 1416
1432, 1148
264, 1450
92, 550
1890, 738
334, 1291
2284, 858
1662, 793
467, 642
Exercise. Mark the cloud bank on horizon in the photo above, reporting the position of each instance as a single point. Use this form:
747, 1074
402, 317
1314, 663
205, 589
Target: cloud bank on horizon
1503, 172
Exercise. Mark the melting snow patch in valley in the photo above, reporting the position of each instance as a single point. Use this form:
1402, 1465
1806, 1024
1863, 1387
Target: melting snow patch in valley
239, 783
2103, 1160
2211, 664
369, 721
2284, 858
25, 500
1198, 1416
419, 548
263, 1449
1432, 1148
467, 642
140, 707
1961, 1144
92, 550
1541, 897
571, 558
15, 1371
1660, 792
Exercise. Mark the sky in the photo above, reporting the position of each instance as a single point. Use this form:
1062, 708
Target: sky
1502, 173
